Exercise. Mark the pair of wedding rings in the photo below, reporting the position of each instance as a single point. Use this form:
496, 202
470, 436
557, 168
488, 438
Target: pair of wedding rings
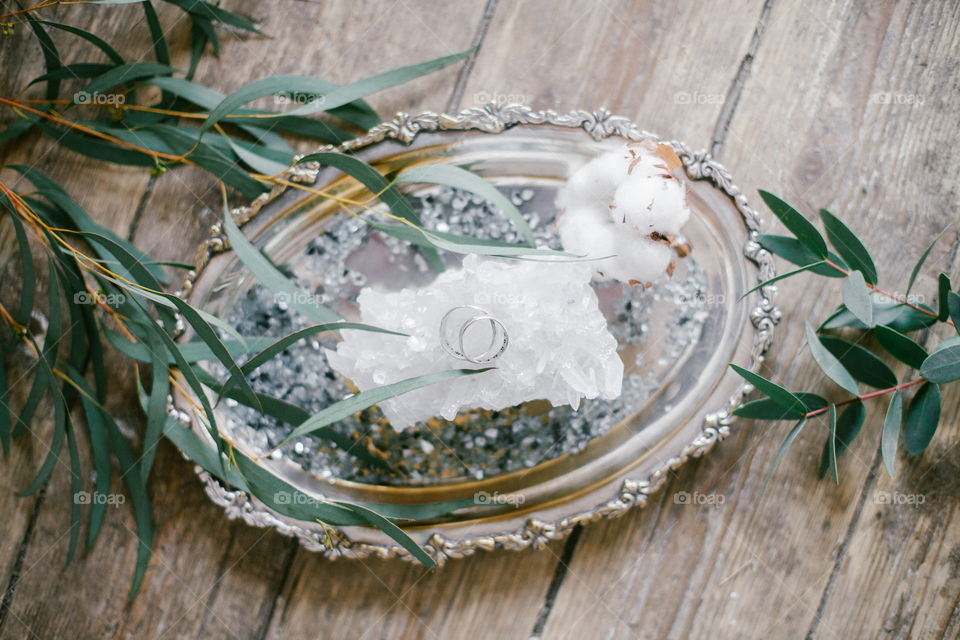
458, 321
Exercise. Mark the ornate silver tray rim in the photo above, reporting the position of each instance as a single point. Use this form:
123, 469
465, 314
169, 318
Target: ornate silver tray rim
535, 533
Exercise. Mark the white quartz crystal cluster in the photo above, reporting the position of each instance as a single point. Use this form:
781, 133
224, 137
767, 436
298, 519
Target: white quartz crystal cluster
629, 204
559, 350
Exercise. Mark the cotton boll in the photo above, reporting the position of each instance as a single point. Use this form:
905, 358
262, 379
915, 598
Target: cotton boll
586, 232
628, 203
595, 182
639, 260
650, 204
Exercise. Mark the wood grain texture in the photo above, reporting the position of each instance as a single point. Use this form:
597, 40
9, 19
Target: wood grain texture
849, 106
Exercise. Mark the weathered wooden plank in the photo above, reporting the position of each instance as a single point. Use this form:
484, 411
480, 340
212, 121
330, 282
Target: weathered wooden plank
812, 126
667, 65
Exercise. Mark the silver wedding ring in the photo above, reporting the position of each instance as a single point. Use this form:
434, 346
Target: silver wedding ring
453, 329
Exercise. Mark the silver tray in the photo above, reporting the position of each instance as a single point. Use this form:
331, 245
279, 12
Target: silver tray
685, 416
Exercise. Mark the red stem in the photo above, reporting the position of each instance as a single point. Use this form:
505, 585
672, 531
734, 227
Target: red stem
867, 396
889, 295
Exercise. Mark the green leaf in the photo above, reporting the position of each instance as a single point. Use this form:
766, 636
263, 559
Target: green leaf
862, 363
223, 167
93, 39
843, 431
829, 363
856, 297
891, 433
923, 258
126, 73
74, 71
953, 303
401, 75
370, 397
190, 351
781, 451
783, 276
391, 530
767, 409
374, 181
792, 250
458, 178
156, 407
944, 297
901, 347
848, 245
28, 282
775, 392
273, 279
51, 57
793, 220
211, 11
358, 113
83, 222
75, 486
832, 443
160, 50
899, 317
328, 99
923, 416
282, 344
93, 148
943, 365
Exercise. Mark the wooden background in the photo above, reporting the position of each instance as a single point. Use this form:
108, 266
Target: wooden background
847, 105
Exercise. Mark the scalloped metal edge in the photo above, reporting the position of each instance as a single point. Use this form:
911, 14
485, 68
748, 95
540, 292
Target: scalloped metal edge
536, 533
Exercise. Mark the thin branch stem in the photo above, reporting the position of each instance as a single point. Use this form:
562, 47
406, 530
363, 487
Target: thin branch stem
889, 295
866, 396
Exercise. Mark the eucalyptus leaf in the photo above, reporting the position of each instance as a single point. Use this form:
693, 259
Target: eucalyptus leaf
891, 433
943, 297
792, 250
830, 365
271, 277
791, 436
326, 99
849, 246
832, 443
862, 363
767, 409
856, 297
458, 178
782, 276
775, 392
793, 220
901, 347
923, 416
124, 74
844, 431
370, 397
953, 303
923, 258
943, 365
